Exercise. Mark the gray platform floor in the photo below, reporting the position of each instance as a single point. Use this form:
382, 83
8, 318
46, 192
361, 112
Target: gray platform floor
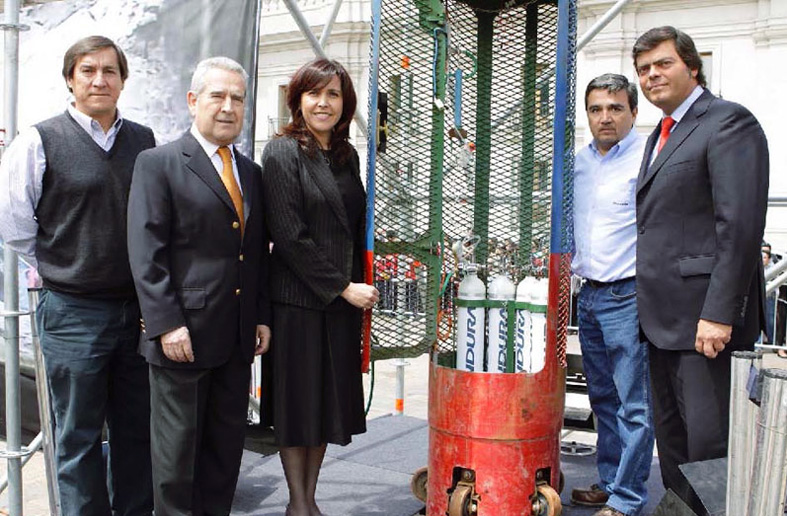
371, 476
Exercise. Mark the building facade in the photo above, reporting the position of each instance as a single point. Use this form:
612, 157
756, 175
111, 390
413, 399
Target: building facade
742, 43
283, 50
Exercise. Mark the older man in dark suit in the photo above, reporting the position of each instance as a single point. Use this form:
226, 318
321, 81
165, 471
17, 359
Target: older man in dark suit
701, 199
199, 254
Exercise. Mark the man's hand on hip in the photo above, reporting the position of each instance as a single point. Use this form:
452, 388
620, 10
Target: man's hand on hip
176, 345
711, 337
263, 339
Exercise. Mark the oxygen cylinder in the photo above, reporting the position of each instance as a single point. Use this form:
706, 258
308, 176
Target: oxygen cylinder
538, 318
500, 289
522, 335
470, 323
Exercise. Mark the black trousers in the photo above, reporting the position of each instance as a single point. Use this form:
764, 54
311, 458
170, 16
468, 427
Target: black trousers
691, 409
198, 425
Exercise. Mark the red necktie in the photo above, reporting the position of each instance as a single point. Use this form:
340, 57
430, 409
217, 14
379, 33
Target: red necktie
666, 126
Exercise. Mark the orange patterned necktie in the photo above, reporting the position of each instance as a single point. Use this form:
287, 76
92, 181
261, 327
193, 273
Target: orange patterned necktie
228, 178
666, 126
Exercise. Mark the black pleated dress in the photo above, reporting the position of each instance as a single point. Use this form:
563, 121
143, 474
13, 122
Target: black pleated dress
317, 388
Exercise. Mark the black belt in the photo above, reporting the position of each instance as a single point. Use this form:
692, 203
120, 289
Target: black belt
602, 284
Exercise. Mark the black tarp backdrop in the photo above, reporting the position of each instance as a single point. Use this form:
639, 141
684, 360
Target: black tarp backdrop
187, 31
163, 41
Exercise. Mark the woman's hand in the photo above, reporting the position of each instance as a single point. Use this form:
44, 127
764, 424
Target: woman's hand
361, 295
263, 339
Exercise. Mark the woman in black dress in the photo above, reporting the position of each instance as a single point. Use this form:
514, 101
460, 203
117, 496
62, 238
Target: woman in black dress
315, 210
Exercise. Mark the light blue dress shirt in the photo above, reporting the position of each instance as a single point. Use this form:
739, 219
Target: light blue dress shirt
605, 209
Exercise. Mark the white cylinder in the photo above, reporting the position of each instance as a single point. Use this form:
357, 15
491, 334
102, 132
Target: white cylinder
522, 335
742, 432
538, 321
500, 289
769, 473
470, 325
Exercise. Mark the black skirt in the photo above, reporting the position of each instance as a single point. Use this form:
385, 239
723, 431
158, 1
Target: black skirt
317, 387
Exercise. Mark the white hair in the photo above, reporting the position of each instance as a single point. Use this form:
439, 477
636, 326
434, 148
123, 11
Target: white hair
222, 63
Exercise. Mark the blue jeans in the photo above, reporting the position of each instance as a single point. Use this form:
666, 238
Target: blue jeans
95, 375
616, 367
770, 310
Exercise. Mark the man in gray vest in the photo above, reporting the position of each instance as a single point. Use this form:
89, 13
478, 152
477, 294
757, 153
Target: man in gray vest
64, 189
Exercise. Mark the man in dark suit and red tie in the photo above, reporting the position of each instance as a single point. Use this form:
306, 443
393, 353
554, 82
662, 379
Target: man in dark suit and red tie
701, 199
199, 254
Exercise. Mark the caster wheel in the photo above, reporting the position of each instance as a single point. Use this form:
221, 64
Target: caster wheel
561, 483
461, 502
547, 502
418, 484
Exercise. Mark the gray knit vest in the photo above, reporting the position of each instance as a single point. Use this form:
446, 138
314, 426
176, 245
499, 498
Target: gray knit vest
81, 241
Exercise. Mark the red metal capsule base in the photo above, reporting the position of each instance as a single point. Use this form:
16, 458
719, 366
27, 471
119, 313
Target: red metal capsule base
494, 439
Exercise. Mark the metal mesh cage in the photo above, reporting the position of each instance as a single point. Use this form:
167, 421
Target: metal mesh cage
467, 97
567, 229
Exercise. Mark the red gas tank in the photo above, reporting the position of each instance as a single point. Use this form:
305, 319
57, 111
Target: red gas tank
494, 442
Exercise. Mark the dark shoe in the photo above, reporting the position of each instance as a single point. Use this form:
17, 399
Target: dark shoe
609, 511
593, 497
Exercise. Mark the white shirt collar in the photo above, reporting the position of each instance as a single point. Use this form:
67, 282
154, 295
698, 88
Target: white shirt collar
681, 110
90, 124
210, 148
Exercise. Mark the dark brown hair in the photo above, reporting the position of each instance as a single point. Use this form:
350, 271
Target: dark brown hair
612, 83
684, 45
315, 75
87, 46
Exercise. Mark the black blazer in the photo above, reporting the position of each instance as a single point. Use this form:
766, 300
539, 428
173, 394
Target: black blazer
700, 216
313, 243
191, 268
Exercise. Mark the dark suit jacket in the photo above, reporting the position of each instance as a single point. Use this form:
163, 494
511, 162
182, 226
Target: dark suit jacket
313, 243
700, 216
191, 268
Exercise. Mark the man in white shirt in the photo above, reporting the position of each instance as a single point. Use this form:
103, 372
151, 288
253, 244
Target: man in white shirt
65, 185
614, 358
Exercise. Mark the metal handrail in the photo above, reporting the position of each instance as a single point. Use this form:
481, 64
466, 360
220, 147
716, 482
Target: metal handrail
44, 409
775, 277
45, 438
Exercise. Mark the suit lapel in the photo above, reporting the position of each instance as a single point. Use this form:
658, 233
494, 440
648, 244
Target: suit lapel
199, 163
322, 175
245, 172
649, 145
687, 125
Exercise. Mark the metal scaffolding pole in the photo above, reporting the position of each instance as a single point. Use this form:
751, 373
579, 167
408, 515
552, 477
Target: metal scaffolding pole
13, 411
601, 23
326, 30
44, 409
303, 25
